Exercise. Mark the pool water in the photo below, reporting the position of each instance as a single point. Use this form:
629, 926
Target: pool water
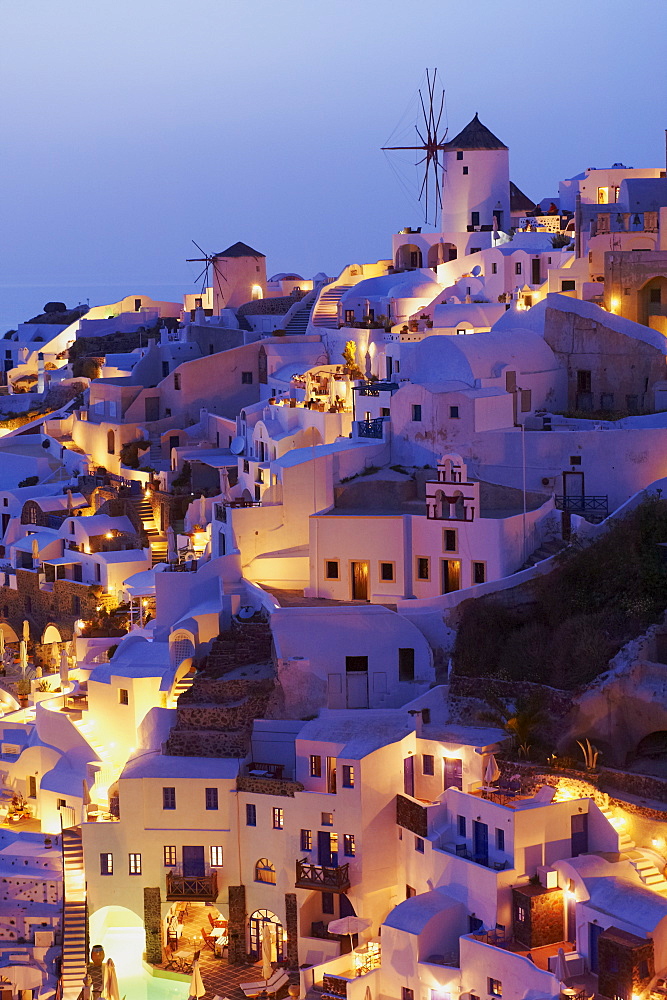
125, 946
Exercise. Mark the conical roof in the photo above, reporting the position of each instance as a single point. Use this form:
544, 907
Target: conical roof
239, 250
475, 136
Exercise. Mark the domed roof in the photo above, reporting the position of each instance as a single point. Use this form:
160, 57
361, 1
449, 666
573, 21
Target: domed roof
406, 285
477, 356
286, 276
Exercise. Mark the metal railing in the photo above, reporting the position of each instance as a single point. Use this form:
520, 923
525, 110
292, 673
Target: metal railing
330, 879
583, 505
370, 428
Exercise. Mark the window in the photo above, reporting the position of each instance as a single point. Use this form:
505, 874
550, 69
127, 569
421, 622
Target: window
449, 539
32, 786
526, 400
474, 218
246, 465
331, 570
478, 572
568, 285
168, 798
521, 913
123, 697
327, 819
453, 413
500, 840
428, 763
423, 568
583, 381
216, 855
246, 378
250, 814
328, 902
306, 840
177, 380
61, 804
106, 864
278, 818
387, 571
426, 716
419, 845
406, 664
453, 775
517, 267
654, 295
494, 269
169, 855
495, 987
265, 872
465, 170
135, 864
473, 250
356, 664
416, 412
461, 825
349, 317
348, 776
349, 848
315, 766
459, 154
407, 993
575, 459
211, 798
410, 891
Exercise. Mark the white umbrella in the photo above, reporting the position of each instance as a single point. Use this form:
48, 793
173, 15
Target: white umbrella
267, 965
225, 491
202, 510
64, 667
23, 656
110, 990
491, 770
172, 553
560, 969
35, 550
53, 662
2, 644
348, 925
196, 985
26, 629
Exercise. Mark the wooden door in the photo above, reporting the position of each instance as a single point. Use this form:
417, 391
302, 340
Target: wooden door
359, 581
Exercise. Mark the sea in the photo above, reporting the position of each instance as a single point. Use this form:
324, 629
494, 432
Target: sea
19, 303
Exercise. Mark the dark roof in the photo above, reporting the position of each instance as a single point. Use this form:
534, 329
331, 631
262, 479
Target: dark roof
519, 202
240, 250
475, 136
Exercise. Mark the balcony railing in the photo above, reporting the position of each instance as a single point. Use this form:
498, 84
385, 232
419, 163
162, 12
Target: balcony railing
321, 877
201, 887
594, 508
370, 428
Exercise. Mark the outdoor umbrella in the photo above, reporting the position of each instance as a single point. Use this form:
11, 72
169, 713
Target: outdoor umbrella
110, 990
26, 629
172, 553
196, 985
348, 925
491, 770
53, 662
225, 492
560, 970
64, 667
23, 656
2, 645
267, 965
35, 550
202, 510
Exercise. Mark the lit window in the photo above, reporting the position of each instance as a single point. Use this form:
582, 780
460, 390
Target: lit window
278, 818
169, 855
106, 864
265, 872
315, 766
428, 763
211, 798
495, 987
407, 993
348, 776
306, 840
135, 864
327, 819
168, 798
250, 814
349, 848
216, 856
521, 914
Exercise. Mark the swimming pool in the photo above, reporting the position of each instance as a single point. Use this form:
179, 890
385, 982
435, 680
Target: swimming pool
125, 946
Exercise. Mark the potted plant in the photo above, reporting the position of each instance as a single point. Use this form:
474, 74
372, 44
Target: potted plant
23, 690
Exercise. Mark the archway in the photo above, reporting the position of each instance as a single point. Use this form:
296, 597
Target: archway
653, 299
181, 647
121, 933
111, 443
409, 256
441, 253
258, 921
9, 633
51, 634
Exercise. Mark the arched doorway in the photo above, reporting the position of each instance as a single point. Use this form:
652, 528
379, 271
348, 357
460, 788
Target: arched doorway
111, 443
408, 256
258, 921
121, 933
441, 253
653, 300
51, 634
9, 633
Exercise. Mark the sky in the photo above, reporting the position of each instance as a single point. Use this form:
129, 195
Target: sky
130, 128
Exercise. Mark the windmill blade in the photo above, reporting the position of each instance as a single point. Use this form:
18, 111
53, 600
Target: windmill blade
206, 255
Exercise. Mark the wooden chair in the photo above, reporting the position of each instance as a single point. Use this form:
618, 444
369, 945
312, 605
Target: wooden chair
208, 940
211, 920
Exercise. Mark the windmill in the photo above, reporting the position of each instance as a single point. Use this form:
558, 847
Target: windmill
209, 261
431, 142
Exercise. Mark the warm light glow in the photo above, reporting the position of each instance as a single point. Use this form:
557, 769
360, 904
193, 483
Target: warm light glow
257, 292
109, 534
615, 303
147, 494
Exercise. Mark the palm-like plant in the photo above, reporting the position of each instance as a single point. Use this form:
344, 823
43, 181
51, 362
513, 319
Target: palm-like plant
521, 718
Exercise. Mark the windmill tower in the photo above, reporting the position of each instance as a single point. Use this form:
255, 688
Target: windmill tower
476, 181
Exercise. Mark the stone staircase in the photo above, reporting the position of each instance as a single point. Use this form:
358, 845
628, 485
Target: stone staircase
650, 875
545, 551
157, 542
74, 930
325, 312
298, 324
180, 687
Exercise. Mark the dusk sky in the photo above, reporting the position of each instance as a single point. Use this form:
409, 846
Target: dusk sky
131, 127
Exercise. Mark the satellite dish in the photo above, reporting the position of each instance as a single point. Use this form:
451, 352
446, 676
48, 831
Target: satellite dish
237, 447
476, 271
245, 613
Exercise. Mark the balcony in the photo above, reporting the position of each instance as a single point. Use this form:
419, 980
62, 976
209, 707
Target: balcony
593, 508
200, 887
310, 876
370, 428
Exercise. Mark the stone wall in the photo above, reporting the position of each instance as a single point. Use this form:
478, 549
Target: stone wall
411, 816
40, 607
152, 924
268, 786
625, 962
204, 743
292, 930
236, 925
334, 986
544, 914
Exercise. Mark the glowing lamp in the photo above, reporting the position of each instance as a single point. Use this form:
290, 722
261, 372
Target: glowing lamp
615, 303
109, 534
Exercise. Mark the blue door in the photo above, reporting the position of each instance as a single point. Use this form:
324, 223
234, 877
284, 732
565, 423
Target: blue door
326, 856
409, 776
579, 834
193, 861
594, 931
480, 840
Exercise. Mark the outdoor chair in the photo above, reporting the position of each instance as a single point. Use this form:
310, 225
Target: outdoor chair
208, 940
